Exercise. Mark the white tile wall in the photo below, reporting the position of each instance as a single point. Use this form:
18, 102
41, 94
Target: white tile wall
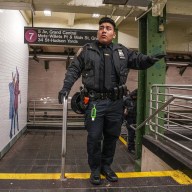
13, 53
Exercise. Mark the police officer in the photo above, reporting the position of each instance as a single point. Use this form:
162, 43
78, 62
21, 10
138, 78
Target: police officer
130, 114
104, 67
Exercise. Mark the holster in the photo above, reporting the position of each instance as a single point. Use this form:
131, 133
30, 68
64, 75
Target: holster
83, 93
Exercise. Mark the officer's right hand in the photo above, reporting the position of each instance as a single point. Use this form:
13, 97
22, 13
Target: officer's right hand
61, 95
154, 58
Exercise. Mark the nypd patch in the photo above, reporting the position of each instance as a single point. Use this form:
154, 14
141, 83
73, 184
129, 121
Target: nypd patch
121, 54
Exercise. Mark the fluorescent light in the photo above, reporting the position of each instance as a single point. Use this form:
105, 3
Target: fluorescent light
95, 15
47, 12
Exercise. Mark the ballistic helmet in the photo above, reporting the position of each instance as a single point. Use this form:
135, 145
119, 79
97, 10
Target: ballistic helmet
77, 104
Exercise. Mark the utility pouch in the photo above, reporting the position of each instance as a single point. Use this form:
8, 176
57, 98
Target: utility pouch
115, 94
124, 90
120, 92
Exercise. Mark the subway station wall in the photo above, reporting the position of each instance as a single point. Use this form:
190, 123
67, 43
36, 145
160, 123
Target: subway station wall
14, 86
13, 76
48, 83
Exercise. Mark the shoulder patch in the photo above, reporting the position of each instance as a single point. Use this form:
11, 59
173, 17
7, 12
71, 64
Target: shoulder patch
121, 54
79, 51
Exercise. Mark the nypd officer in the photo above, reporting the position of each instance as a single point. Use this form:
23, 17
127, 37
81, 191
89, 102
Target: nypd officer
104, 67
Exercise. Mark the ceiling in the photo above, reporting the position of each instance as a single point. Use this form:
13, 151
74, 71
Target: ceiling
75, 10
71, 12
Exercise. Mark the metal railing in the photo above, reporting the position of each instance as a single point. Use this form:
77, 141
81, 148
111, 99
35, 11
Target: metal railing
49, 112
170, 115
64, 139
45, 110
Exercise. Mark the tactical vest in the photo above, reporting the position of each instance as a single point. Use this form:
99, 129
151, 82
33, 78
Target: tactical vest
90, 73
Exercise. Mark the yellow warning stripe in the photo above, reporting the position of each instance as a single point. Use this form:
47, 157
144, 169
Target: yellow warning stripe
178, 176
123, 140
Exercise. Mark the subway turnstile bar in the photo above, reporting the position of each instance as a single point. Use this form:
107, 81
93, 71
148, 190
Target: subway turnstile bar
64, 131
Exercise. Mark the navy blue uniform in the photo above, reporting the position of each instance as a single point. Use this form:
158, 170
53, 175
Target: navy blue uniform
88, 63
106, 126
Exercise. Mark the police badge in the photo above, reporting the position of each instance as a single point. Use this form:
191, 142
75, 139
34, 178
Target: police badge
121, 54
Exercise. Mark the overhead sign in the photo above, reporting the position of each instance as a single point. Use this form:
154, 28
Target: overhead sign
59, 36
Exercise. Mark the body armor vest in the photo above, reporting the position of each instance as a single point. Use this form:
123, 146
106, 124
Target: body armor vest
91, 72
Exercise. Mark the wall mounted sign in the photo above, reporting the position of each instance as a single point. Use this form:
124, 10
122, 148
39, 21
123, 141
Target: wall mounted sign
59, 36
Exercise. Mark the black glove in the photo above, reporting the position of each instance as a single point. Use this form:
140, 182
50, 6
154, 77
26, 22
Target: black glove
61, 95
154, 58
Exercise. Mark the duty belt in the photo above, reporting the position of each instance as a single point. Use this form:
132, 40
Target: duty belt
115, 94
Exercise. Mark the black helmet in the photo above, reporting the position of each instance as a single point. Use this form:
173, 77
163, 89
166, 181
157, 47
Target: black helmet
77, 104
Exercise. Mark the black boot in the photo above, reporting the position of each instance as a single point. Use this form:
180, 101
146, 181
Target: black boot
109, 174
95, 177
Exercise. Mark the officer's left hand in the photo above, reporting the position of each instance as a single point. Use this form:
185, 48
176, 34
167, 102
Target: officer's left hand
63, 93
156, 57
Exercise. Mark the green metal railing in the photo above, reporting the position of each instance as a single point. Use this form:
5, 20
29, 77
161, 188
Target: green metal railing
177, 115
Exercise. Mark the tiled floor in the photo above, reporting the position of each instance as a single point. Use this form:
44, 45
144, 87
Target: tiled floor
123, 185
40, 152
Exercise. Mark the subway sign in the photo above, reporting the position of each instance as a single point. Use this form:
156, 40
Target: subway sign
58, 36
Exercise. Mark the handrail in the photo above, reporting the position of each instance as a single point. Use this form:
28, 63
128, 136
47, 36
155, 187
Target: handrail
34, 112
153, 115
166, 123
50, 114
64, 136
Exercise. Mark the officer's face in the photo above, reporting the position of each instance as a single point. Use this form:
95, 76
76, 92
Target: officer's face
106, 33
